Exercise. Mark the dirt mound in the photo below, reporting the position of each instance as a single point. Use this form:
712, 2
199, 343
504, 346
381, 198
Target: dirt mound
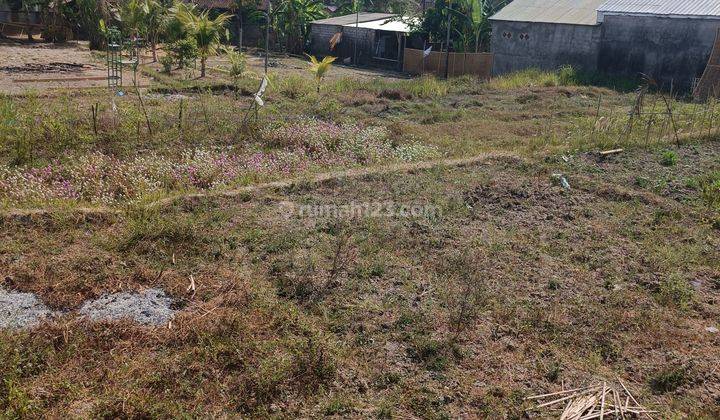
45, 68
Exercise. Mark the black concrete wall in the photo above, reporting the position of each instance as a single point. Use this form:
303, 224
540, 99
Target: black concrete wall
671, 50
522, 45
361, 38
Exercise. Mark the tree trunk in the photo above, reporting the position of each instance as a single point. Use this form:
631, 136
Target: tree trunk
153, 45
202, 66
240, 31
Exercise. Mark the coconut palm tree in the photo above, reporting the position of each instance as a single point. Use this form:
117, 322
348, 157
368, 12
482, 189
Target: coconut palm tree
320, 68
206, 31
133, 16
154, 18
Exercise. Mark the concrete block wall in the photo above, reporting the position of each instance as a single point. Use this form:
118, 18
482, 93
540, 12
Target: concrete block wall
320, 36
671, 50
522, 45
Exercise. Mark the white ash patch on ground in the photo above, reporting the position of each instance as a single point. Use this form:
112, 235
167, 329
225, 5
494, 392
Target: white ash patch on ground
22, 310
152, 307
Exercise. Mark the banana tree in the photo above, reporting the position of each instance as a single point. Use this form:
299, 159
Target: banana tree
469, 22
292, 20
478, 13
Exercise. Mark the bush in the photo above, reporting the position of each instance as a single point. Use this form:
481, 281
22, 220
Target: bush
294, 87
427, 87
238, 63
669, 380
669, 158
184, 51
525, 78
567, 76
710, 189
167, 62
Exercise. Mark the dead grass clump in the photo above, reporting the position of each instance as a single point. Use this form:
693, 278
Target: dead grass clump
394, 94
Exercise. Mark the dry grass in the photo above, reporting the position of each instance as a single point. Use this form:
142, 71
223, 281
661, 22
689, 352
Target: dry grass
511, 288
515, 287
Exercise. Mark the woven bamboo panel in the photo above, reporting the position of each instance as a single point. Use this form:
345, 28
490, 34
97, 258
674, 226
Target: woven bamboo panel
709, 85
478, 64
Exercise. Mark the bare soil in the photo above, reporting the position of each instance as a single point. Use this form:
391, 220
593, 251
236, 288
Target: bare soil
41, 67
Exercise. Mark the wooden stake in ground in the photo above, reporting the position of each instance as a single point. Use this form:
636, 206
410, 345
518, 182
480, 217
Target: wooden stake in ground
95, 109
142, 106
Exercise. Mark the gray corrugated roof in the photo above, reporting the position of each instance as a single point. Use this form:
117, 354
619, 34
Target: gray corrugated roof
684, 8
572, 12
348, 19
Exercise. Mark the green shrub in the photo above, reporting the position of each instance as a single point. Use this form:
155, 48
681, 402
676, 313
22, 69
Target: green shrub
337, 406
184, 51
238, 63
429, 352
167, 62
427, 87
567, 76
294, 87
710, 189
669, 379
525, 78
669, 158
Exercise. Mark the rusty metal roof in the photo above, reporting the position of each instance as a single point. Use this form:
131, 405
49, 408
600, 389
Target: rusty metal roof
665, 8
571, 12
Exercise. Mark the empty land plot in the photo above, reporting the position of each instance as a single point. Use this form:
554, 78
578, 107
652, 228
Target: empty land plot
510, 286
408, 289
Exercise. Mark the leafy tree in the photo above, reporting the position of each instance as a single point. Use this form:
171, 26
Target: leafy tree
133, 16
402, 7
172, 26
183, 51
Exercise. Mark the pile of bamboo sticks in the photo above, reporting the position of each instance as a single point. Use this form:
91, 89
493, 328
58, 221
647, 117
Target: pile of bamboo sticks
601, 401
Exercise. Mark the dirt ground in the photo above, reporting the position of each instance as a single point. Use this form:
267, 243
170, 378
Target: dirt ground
43, 67
40, 67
